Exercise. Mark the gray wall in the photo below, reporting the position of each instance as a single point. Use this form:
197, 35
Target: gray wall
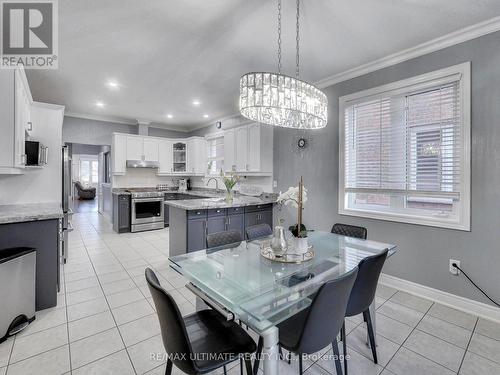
94, 132
424, 252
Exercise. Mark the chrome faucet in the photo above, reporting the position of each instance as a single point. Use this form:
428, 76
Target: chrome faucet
216, 183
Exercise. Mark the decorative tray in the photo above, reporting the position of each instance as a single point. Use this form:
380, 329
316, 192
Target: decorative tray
268, 253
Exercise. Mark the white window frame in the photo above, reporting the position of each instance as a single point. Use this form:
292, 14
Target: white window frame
210, 138
429, 79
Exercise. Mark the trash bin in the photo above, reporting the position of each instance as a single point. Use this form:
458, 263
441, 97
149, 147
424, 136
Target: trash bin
17, 290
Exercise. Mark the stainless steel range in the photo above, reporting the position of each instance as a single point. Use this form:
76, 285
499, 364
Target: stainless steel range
147, 209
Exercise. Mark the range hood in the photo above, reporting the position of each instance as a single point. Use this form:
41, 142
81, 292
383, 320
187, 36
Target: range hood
142, 164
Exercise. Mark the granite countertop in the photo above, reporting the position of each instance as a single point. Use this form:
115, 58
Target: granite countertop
18, 213
219, 201
209, 198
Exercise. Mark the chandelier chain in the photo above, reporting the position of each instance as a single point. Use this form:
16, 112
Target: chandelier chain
298, 39
279, 36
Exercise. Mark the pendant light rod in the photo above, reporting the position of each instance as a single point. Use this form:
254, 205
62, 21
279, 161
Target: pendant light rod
297, 58
279, 36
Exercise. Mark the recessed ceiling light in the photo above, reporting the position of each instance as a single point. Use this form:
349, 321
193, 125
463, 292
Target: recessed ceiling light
206, 116
99, 104
113, 85
170, 116
196, 102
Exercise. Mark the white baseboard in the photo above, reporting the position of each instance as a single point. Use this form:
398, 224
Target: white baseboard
451, 300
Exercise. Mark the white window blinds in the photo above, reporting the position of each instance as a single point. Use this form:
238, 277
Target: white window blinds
405, 142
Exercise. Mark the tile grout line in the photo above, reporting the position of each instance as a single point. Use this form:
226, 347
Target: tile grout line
467, 348
67, 320
400, 346
109, 306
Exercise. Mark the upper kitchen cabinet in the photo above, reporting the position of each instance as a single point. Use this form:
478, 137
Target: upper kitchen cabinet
248, 150
197, 158
165, 157
15, 105
119, 154
142, 148
179, 153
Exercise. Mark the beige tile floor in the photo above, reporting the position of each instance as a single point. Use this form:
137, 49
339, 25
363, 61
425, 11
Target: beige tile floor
105, 322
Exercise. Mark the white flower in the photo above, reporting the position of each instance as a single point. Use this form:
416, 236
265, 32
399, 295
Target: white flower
291, 197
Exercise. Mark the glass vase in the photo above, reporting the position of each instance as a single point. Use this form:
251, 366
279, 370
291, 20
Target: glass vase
229, 196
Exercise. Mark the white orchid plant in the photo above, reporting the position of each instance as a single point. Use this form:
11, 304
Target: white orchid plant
291, 197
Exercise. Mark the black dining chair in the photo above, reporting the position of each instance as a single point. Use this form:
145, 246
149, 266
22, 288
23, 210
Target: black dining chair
258, 231
220, 239
362, 295
200, 342
350, 230
316, 327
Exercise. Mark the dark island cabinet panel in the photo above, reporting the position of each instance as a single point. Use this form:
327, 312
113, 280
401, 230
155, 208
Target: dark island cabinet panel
216, 224
236, 222
196, 234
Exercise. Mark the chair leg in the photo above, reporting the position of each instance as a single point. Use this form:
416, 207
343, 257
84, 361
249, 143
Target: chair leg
168, 370
338, 366
280, 352
344, 347
248, 366
300, 364
371, 334
256, 364
225, 370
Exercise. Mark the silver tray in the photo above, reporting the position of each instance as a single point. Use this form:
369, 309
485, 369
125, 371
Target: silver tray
267, 252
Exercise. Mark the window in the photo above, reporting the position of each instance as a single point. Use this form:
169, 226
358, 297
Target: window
89, 171
215, 155
405, 150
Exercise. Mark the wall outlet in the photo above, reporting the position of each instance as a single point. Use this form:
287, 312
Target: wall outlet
453, 270
275, 184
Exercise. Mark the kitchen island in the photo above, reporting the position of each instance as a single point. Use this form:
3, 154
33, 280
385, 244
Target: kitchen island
192, 220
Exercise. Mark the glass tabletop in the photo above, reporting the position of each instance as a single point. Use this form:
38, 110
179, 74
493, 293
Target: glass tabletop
261, 292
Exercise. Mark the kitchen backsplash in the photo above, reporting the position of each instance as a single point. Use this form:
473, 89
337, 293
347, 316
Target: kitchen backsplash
142, 177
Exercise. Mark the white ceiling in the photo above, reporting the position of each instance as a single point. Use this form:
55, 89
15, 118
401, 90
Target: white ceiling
165, 53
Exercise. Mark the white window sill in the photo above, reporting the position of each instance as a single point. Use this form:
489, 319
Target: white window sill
432, 221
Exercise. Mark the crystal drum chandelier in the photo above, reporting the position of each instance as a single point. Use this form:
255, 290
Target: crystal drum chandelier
281, 100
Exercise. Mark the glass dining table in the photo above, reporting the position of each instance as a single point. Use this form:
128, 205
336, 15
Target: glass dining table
243, 285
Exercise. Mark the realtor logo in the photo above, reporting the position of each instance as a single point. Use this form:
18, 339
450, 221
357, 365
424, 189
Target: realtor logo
29, 34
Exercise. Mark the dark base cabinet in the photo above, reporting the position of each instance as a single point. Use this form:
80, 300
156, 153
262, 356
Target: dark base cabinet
43, 236
189, 229
121, 213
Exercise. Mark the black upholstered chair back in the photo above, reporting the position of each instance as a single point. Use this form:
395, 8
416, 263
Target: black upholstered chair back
350, 230
173, 329
364, 289
326, 314
221, 239
258, 231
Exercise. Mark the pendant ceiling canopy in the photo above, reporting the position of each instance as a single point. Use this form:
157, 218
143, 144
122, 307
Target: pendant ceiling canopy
280, 100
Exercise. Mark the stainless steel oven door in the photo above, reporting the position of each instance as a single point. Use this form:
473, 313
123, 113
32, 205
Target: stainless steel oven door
147, 210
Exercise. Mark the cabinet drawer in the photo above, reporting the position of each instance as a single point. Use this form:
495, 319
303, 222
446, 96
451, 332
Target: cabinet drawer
259, 207
196, 214
235, 210
216, 212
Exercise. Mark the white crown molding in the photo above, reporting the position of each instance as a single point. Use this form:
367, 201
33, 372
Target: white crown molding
480, 309
104, 118
55, 107
448, 40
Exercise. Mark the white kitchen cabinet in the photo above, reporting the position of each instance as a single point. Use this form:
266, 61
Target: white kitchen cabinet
15, 106
197, 156
150, 149
119, 154
241, 142
135, 148
229, 151
249, 149
165, 157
